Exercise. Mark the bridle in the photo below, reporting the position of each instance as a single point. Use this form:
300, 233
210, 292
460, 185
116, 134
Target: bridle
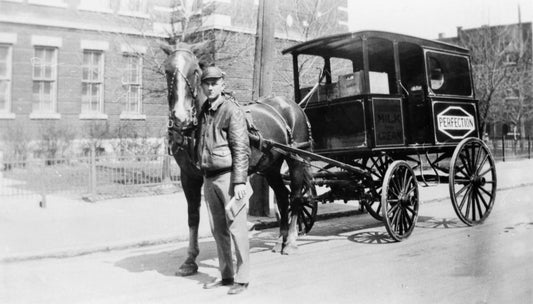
182, 136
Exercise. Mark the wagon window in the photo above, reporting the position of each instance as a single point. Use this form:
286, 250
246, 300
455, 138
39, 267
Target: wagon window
411, 66
310, 68
448, 74
382, 75
339, 67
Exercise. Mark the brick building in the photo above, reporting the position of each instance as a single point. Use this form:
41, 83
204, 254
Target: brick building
91, 68
503, 62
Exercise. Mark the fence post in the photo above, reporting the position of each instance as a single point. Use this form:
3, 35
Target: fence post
503, 147
165, 170
528, 147
92, 163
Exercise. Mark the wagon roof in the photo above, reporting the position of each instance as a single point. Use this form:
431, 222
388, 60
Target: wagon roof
341, 43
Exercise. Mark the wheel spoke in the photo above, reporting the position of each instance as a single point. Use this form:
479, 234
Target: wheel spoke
467, 159
485, 172
405, 224
462, 170
409, 219
484, 190
397, 223
411, 210
461, 157
473, 204
462, 190
394, 208
484, 201
482, 163
413, 188
409, 183
395, 217
468, 203
471, 150
404, 179
394, 187
306, 224
464, 197
304, 210
478, 204
477, 157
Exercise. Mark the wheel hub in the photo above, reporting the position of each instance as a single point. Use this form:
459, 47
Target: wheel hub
478, 181
405, 200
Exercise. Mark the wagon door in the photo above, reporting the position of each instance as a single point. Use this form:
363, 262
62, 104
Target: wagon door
413, 81
452, 97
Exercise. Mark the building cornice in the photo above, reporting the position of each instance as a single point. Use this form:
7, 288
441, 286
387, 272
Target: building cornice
33, 21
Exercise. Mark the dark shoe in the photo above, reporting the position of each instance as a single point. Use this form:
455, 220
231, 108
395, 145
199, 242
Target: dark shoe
187, 269
215, 284
237, 288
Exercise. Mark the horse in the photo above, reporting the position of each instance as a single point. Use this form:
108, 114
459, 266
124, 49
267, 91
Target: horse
273, 118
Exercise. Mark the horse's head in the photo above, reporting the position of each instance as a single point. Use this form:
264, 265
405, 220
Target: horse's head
183, 75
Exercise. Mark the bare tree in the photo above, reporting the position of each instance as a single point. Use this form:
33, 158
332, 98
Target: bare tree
305, 20
497, 67
517, 106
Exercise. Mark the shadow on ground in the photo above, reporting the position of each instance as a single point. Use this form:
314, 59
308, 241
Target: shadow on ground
167, 262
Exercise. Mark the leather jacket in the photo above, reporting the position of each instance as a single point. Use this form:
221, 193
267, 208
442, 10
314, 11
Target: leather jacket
224, 144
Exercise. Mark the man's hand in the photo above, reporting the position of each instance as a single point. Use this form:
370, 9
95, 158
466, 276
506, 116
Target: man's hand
239, 191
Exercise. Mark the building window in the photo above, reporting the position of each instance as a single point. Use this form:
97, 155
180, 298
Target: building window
135, 8
92, 82
132, 82
44, 80
96, 5
5, 80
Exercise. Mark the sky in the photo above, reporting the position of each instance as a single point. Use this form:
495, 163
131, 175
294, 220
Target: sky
428, 18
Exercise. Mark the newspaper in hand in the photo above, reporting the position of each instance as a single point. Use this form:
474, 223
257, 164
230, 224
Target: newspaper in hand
235, 206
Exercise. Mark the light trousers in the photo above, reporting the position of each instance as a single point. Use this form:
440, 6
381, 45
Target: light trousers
217, 191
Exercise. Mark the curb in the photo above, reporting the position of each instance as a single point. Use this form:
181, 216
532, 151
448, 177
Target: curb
75, 252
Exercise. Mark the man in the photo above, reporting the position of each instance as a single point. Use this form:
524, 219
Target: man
223, 155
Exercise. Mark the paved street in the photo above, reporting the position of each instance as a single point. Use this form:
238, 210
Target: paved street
343, 260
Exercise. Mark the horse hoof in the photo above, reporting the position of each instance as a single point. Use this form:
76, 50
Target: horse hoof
187, 269
279, 245
289, 249
277, 248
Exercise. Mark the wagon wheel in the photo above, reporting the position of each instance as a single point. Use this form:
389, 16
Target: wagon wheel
307, 211
472, 181
400, 200
377, 166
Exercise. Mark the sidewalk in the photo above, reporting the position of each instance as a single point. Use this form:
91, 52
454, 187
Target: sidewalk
70, 227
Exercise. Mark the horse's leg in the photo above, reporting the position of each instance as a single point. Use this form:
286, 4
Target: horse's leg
299, 176
282, 198
192, 186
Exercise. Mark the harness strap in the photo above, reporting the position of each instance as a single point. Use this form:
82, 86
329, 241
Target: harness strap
287, 128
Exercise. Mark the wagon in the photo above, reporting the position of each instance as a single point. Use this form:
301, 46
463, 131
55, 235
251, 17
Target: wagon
389, 112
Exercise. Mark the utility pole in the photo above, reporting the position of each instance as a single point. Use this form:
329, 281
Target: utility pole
262, 86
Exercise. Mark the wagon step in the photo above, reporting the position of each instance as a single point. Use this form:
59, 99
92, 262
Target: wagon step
433, 178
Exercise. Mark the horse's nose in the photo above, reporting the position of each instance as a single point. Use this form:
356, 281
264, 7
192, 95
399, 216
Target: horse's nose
178, 116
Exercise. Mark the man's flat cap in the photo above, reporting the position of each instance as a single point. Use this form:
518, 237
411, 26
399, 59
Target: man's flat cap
212, 73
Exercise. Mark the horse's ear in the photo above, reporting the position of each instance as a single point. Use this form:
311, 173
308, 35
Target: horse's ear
204, 52
166, 48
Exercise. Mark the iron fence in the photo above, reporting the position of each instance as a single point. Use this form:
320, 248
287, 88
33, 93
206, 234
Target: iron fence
106, 176
90, 176
510, 148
